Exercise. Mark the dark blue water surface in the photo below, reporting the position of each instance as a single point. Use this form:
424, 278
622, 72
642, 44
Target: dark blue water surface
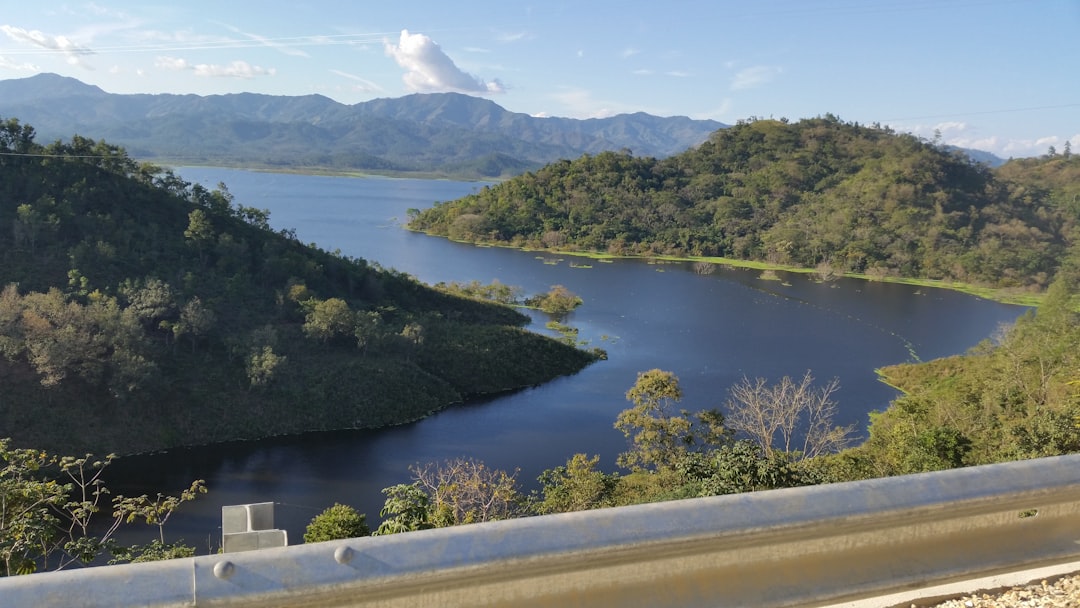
710, 330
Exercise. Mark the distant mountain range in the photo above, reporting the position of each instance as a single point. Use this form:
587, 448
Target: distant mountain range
438, 133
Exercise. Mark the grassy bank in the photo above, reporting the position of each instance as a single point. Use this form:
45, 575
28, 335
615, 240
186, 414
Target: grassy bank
1005, 296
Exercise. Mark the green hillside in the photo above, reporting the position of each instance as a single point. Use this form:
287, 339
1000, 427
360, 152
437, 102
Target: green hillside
818, 193
139, 312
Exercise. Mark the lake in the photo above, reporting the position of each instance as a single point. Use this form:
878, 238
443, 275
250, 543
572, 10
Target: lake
710, 330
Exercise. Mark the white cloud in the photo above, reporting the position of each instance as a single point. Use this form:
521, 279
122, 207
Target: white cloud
287, 49
717, 113
951, 126
7, 64
362, 84
171, 63
964, 135
1020, 147
756, 76
236, 69
59, 44
579, 103
429, 69
678, 74
644, 72
629, 52
511, 36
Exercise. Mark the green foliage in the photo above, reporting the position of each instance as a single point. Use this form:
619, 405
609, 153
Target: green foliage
47, 506
329, 319
740, 466
450, 493
157, 510
153, 551
1014, 398
816, 193
576, 486
493, 292
659, 437
558, 301
137, 311
336, 522
262, 365
406, 509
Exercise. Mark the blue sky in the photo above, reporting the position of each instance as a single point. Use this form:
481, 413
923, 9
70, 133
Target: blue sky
997, 75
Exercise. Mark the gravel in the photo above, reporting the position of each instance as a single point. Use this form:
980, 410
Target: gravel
1052, 593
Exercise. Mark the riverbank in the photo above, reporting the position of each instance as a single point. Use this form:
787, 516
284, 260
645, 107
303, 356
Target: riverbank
1002, 295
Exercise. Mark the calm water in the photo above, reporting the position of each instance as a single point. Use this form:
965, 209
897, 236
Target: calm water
709, 330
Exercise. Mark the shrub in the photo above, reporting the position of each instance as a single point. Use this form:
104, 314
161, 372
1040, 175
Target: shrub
335, 523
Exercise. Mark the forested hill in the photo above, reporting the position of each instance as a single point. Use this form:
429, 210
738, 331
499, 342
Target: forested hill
436, 133
139, 312
815, 193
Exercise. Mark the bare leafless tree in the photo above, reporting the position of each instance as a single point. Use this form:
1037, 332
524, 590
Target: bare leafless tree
793, 417
464, 490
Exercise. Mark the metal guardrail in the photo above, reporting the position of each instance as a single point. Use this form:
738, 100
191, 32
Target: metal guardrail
814, 546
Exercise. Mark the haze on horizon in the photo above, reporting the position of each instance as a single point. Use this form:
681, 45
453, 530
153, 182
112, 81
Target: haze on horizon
994, 75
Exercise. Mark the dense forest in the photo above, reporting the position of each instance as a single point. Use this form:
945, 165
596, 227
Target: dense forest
139, 312
817, 193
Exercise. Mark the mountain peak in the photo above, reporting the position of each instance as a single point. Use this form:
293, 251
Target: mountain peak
46, 86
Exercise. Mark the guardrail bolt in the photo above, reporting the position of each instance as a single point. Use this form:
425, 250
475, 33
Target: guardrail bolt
224, 570
343, 555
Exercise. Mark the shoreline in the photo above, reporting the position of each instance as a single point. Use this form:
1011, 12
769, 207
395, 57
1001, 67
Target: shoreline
996, 294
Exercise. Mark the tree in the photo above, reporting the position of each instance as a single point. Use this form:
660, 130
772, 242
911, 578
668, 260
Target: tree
155, 511
558, 301
328, 319
47, 506
366, 328
412, 336
406, 509
741, 466
261, 365
791, 417
98, 343
31, 220
150, 300
465, 491
200, 233
659, 437
195, 321
336, 522
576, 486
28, 523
